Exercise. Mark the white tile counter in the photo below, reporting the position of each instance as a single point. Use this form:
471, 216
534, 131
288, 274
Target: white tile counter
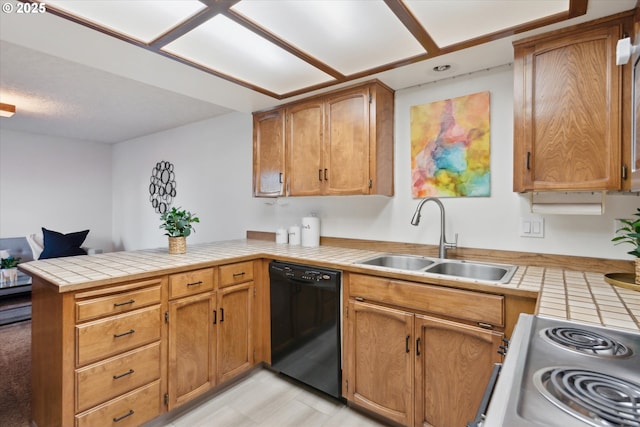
564, 294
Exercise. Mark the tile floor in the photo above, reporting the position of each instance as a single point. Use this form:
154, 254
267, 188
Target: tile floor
265, 399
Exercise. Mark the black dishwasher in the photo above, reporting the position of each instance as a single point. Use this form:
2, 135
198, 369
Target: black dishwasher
305, 325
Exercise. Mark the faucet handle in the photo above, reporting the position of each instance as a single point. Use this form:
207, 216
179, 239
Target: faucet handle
452, 245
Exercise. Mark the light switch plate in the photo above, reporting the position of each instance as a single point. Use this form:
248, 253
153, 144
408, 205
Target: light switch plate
532, 226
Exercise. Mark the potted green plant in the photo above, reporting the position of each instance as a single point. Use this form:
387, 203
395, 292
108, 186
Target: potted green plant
9, 269
630, 233
178, 224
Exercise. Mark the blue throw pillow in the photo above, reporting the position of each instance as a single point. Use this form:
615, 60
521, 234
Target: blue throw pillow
58, 245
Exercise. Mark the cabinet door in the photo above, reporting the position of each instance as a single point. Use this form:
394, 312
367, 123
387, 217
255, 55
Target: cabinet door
453, 365
235, 347
346, 145
568, 113
304, 139
380, 372
269, 154
192, 340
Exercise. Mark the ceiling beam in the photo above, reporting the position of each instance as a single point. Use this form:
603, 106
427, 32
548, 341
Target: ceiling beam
577, 8
413, 25
191, 23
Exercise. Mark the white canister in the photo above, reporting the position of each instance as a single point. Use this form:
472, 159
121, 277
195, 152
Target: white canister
310, 231
294, 235
282, 235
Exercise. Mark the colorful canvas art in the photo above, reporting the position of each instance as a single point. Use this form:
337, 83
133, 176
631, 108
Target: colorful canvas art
450, 147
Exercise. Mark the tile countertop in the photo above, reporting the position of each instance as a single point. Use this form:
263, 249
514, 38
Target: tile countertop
564, 294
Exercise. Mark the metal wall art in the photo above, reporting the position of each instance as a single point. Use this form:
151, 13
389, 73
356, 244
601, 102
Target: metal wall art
162, 188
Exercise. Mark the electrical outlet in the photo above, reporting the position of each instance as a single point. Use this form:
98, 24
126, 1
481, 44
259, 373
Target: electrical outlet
532, 226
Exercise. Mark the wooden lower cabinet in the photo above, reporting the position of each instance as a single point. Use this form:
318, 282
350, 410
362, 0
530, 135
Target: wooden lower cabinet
453, 366
125, 353
410, 367
380, 373
235, 341
210, 339
130, 410
192, 347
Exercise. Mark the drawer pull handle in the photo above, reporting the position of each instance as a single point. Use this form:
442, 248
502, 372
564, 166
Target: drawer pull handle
117, 377
124, 333
128, 414
199, 282
120, 304
238, 274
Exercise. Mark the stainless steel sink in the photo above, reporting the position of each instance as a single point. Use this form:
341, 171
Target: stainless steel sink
472, 270
401, 262
499, 273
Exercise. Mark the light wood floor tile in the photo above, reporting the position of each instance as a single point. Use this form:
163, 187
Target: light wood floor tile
266, 399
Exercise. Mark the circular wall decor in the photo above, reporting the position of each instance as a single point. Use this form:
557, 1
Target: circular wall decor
162, 188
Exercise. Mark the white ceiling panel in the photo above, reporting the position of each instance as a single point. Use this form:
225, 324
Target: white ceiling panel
348, 35
142, 20
229, 48
455, 21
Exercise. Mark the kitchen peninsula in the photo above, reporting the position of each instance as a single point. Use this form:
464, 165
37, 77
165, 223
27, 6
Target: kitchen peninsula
126, 315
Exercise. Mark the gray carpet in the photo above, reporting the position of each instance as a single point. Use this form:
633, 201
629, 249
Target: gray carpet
15, 374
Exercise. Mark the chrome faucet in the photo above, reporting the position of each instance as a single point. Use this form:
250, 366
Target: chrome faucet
444, 245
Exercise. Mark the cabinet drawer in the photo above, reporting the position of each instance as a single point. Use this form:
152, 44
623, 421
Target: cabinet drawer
460, 304
103, 381
131, 410
236, 273
191, 282
107, 337
117, 303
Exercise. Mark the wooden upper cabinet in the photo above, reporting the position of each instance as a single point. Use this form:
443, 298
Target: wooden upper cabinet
570, 110
269, 154
336, 144
346, 147
305, 130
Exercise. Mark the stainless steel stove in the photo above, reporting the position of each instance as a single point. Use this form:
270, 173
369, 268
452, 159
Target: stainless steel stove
561, 373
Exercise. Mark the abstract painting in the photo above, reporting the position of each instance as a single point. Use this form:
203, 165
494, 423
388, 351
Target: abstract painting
451, 147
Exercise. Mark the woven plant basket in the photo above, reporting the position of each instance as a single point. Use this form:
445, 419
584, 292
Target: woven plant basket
177, 245
637, 271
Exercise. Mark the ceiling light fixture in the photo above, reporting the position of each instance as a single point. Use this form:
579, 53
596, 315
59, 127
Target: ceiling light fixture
439, 68
7, 110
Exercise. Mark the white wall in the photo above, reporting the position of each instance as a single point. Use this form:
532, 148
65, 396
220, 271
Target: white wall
213, 166
60, 184
213, 163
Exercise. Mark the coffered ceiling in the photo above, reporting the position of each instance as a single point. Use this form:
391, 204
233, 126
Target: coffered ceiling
283, 48
114, 70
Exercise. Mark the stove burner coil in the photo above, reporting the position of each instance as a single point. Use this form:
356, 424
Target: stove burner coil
586, 342
597, 399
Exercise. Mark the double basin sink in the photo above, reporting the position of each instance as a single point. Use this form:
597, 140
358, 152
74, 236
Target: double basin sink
497, 273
